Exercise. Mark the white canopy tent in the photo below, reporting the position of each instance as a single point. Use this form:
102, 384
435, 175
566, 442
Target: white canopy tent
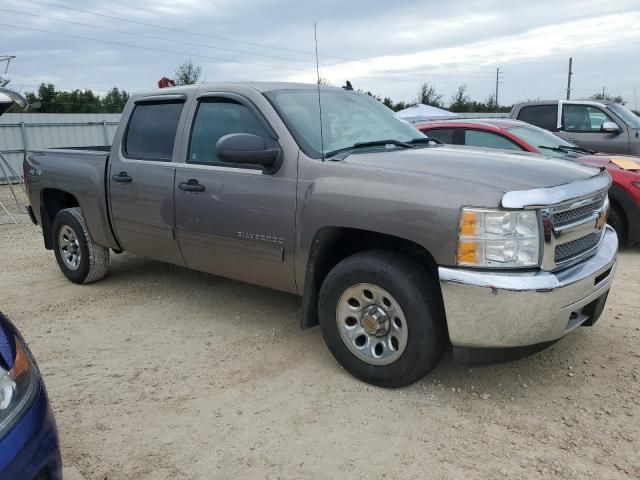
420, 111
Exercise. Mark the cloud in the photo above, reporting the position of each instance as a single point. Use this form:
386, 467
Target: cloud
386, 47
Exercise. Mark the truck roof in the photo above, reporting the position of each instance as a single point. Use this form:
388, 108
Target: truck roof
599, 103
259, 86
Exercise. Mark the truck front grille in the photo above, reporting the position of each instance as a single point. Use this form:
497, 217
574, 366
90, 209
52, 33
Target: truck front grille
573, 230
576, 247
566, 217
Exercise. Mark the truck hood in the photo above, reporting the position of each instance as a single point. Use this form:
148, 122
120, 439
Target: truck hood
500, 170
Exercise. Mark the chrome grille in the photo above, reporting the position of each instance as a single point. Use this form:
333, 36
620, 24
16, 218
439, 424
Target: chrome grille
576, 247
572, 215
573, 230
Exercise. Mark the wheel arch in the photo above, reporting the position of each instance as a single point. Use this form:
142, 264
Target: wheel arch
53, 200
628, 208
331, 245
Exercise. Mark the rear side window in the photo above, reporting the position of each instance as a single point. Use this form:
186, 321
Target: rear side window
216, 118
445, 135
479, 138
152, 129
543, 116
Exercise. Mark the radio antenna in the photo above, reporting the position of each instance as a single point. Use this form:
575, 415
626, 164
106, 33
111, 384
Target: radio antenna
315, 37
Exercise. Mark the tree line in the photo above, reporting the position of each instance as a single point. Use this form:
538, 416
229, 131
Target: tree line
50, 100
86, 101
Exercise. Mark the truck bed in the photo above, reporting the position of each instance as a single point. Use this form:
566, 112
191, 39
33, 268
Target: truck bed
79, 171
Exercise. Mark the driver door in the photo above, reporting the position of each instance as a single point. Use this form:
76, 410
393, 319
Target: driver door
581, 123
239, 222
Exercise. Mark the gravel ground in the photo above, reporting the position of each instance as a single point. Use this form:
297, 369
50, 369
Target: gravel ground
158, 372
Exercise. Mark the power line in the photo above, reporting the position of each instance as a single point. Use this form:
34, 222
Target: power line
177, 30
216, 37
154, 37
528, 81
421, 75
174, 52
130, 45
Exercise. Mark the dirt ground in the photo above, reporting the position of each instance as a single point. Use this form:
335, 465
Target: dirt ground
158, 372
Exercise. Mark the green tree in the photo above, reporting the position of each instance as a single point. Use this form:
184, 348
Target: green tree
428, 95
77, 101
188, 73
490, 103
460, 102
115, 100
608, 98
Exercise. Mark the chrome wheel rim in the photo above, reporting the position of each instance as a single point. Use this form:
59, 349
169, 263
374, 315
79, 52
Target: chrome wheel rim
372, 324
69, 247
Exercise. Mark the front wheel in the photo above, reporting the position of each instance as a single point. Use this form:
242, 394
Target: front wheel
382, 318
79, 257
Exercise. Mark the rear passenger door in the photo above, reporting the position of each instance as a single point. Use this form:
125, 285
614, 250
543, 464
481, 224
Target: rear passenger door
141, 178
581, 124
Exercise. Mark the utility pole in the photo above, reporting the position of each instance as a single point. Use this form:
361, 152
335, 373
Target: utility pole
498, 82
569, 78
603, 94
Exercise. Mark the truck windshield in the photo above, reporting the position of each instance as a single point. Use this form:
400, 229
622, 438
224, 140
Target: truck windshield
625, 114
348, 118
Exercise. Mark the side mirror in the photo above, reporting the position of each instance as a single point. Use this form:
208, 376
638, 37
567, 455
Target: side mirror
247, 149
610, 127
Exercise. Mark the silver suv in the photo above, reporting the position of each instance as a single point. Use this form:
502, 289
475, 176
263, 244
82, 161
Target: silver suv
601, 126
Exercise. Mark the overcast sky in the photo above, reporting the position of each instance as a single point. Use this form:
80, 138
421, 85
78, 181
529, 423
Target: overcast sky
388, 47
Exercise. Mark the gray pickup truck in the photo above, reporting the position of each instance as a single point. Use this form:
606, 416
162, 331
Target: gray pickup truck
602, 126
398, 246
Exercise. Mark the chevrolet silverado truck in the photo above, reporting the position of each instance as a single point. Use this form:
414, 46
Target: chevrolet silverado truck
399, 246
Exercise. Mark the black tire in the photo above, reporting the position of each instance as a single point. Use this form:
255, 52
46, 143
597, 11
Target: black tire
618, 221
93, 260
418, 294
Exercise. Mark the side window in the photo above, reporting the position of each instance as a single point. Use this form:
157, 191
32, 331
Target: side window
445, 135
479, 138
543, 116
583, 118
216, 118
151, 132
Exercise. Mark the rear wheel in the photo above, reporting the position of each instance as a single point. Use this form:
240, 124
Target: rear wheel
381, 316
619, 223
79, 257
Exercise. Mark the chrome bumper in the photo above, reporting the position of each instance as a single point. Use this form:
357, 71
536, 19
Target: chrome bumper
502, 309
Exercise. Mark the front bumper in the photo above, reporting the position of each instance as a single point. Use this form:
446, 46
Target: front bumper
516, 309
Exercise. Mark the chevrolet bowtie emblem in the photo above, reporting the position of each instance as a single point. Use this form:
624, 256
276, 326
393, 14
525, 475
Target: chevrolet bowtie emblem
601, 220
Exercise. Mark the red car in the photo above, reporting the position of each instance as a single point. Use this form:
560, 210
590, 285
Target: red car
506, 134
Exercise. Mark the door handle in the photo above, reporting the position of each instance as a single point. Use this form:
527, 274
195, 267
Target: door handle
122, 177
191, 185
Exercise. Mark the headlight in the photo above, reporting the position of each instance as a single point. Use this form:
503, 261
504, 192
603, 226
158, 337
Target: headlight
498, 238
18, 386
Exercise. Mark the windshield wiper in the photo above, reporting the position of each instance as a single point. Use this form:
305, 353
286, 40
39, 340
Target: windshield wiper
374, 143
567, 148
425, 140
